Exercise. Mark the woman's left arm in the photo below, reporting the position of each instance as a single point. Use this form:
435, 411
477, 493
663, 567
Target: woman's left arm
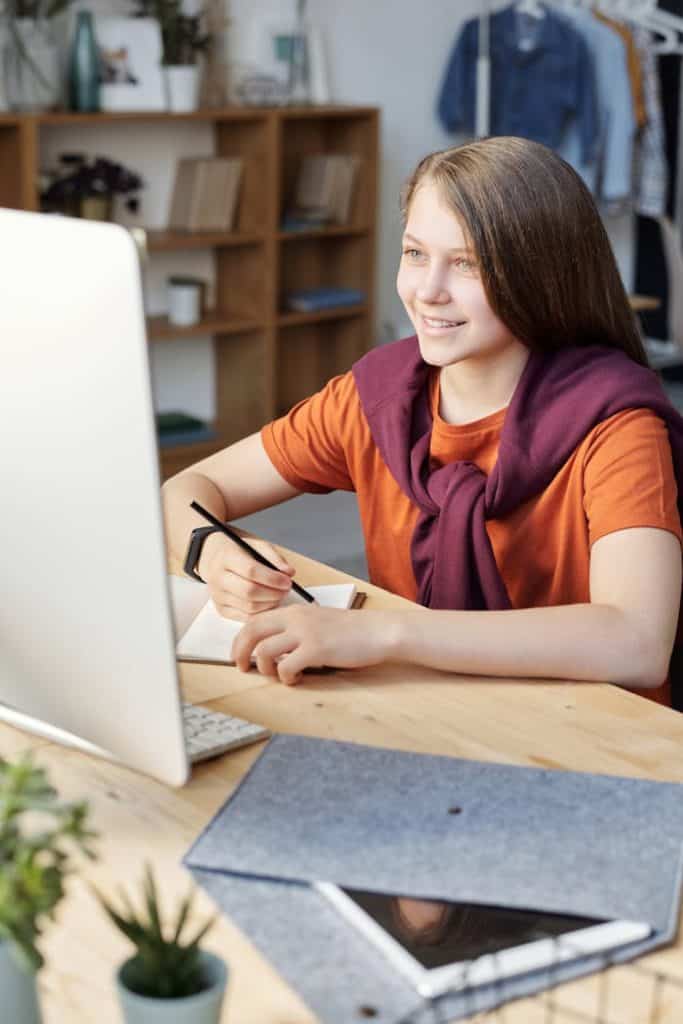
624, 635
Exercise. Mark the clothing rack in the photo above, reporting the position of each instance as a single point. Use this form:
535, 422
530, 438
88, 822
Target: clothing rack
668, 27
642, 12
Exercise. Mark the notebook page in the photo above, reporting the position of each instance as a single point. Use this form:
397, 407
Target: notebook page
210, 636
187, 600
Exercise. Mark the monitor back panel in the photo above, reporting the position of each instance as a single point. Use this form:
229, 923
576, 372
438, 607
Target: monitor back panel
86, 640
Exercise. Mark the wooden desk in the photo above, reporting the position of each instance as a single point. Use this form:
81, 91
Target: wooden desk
584, 727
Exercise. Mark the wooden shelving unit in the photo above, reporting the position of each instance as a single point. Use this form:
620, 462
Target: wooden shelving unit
266, 358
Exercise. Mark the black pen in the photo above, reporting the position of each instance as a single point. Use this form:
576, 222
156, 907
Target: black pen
233, 535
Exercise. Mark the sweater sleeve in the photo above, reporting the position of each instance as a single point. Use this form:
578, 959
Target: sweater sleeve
308, 446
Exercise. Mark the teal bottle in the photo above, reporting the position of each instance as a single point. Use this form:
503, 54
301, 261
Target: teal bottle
84, 66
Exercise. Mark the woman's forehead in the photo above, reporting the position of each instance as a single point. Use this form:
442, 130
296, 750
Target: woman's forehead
432, 221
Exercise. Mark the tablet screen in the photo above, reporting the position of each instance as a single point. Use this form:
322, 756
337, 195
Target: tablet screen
436, 934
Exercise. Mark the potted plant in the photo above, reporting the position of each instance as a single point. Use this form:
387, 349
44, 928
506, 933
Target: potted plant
183, 40
31, 62
87, 188
38, 835
166, 979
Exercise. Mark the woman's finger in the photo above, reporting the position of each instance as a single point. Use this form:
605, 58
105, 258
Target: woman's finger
290, 667
268, 652
245, 594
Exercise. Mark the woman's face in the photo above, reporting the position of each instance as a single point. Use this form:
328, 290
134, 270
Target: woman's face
439, 285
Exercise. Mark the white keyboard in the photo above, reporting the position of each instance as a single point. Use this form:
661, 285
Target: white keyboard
209, 733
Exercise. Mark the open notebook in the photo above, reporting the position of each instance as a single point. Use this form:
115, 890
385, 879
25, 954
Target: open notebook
202, 634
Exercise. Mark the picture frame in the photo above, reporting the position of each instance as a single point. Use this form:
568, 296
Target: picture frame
131, 52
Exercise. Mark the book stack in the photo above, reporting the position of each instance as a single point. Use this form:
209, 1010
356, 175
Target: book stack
311, 300
174, 428
205, 194
324, 191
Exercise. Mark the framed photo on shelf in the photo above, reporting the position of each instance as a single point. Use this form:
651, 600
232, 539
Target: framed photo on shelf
131, 77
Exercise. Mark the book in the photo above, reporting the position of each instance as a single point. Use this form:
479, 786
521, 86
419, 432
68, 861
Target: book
311, 299
205, 193
346, 173
203, 634
323, 190
174, 428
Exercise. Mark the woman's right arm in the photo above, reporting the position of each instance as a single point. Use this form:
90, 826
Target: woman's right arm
235, 482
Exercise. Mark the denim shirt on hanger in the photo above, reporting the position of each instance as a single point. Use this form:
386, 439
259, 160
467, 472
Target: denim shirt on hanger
535, 92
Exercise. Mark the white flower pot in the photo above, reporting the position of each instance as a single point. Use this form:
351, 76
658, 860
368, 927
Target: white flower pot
18, 994
202, 1008
182, 87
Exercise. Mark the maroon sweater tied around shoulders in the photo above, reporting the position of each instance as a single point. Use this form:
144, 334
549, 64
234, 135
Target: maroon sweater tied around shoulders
560, 397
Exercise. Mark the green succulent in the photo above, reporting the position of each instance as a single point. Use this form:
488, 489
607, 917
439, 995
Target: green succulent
163, 967
38, 835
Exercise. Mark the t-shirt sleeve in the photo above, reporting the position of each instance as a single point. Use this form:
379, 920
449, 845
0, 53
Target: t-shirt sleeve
308, 446
629, 478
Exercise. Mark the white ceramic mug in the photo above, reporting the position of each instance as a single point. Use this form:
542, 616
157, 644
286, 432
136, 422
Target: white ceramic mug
185, 300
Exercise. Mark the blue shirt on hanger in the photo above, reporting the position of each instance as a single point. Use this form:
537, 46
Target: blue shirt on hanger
609, 176
535, 90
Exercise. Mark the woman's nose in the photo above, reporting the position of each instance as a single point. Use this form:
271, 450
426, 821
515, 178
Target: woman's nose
432, 287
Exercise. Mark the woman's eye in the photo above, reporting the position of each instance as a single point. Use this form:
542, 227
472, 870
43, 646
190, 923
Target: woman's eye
465, 264
413, 253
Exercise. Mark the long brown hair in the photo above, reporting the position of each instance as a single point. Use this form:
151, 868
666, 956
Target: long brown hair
545, 260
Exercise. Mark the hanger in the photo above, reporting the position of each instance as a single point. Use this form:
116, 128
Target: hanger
531, 7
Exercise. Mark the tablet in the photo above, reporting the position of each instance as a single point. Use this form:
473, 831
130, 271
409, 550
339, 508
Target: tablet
446, 947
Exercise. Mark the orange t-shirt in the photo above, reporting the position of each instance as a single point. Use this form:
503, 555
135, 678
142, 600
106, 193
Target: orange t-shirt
621, 475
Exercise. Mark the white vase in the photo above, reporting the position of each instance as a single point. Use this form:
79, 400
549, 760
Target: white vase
17, 989
182, 87
32, 76
202, 1008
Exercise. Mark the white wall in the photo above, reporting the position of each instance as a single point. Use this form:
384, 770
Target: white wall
387, 53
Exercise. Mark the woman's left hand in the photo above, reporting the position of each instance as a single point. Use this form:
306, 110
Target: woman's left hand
285, 641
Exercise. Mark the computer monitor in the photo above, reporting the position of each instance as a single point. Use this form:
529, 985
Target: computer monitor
86, 631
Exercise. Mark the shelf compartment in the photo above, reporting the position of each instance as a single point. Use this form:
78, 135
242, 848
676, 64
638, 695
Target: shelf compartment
159, 328
338, 132
168, 241
339, 261
311, 353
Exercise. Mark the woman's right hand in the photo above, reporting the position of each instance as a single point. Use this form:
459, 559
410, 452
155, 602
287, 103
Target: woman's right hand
239, 585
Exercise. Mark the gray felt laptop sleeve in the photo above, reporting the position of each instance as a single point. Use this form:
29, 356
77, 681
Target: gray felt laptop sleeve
437, 828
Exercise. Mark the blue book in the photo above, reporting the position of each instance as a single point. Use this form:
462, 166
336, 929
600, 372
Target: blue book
311, 299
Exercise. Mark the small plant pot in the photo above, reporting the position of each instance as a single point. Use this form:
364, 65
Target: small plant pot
96, 208
17, 990
182, 87
202, 1008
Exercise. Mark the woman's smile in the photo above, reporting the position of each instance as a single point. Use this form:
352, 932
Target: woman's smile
437, 325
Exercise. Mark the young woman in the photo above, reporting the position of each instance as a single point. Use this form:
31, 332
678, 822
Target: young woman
515, 462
